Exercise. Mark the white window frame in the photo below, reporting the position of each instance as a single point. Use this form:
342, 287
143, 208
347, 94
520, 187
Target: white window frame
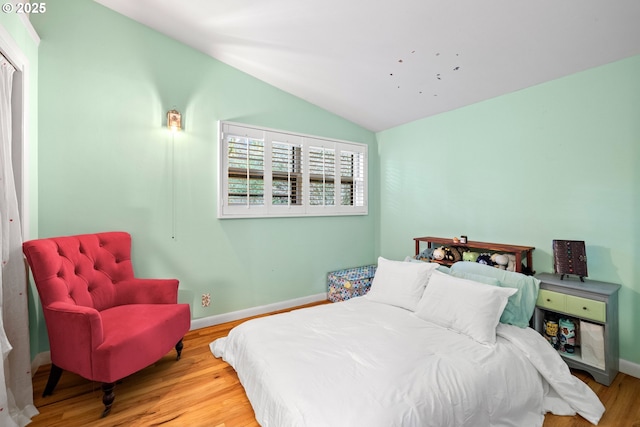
226, 210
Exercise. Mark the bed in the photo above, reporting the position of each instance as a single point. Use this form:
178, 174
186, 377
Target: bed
423, 348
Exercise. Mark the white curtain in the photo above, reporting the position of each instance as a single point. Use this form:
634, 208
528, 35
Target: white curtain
16, 391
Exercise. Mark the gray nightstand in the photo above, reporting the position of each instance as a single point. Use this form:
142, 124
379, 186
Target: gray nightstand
591, 301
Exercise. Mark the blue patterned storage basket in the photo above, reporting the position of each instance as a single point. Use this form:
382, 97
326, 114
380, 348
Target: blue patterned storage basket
350, 282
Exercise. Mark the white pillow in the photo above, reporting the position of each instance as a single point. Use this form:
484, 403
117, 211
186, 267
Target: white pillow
400, 283
465, 306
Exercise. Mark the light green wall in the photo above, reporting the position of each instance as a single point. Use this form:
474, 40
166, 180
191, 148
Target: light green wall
556, 161
21, 37
106, 84
559, 160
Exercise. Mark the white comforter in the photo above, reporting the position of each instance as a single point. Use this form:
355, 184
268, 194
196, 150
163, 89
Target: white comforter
361, 363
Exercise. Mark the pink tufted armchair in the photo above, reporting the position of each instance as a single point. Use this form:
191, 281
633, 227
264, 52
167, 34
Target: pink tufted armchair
103, 323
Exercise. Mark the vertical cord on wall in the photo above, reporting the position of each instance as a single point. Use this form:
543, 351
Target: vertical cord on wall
173, 187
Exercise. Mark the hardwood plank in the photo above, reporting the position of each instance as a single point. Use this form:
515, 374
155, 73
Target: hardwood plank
200, 390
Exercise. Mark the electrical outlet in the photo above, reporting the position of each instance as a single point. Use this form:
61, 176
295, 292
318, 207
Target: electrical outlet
206, 300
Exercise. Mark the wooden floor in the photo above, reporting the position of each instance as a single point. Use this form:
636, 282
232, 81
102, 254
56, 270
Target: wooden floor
202, 391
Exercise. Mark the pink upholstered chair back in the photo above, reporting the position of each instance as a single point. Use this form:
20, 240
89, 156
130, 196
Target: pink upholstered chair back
81, 270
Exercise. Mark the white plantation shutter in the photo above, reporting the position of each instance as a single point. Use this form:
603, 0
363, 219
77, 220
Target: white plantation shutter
246, 171
265, 172
286, 171
242, 153
352, 178
322, 176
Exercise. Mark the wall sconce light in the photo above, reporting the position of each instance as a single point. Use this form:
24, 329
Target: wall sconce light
174, 120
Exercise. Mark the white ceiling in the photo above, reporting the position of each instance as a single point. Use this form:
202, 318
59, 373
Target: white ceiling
382, 63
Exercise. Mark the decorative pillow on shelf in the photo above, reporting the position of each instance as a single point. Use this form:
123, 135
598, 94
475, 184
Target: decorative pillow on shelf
520, 307
400, 283
465, 306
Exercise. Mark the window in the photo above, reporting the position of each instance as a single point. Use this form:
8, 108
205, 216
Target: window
265, 173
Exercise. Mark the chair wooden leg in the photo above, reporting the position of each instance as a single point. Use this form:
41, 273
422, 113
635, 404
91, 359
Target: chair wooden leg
179, 349
107, 397
52, 382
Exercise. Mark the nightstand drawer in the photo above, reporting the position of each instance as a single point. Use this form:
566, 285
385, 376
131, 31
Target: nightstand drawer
586, 308
552, 300
576, 306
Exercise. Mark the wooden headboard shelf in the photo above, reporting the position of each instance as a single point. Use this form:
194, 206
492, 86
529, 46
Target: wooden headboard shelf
520, 252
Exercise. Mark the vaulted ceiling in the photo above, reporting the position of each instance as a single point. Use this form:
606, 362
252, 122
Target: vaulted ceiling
382, 63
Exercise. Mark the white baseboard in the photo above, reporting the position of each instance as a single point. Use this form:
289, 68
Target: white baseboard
204, 322
44, 358
629, 368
